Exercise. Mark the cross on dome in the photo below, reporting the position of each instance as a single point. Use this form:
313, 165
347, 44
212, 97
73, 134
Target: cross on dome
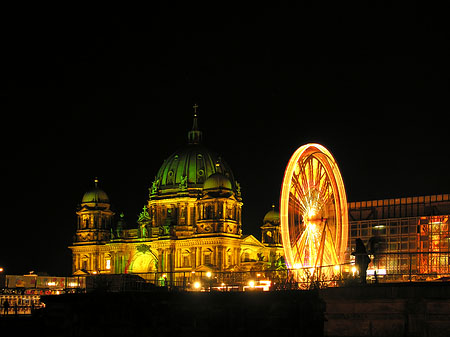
195, 135
195, 106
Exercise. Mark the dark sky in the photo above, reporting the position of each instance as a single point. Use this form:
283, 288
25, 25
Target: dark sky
100, 95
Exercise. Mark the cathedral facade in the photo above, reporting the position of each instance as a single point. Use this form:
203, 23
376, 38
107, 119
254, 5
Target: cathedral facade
191, 222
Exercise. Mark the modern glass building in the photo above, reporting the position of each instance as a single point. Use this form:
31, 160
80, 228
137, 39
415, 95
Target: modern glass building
407, 238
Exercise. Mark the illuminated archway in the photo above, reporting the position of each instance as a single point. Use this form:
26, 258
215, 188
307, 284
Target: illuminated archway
313, 213
143, 260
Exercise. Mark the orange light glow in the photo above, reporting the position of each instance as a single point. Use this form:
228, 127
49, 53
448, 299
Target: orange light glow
313, 212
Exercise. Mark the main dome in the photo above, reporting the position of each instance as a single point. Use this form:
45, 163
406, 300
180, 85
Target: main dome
189, 167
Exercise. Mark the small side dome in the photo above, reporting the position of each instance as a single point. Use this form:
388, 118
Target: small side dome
217, 181
272, 217
96, 195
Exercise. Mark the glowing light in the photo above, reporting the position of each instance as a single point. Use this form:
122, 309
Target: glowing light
108, 264
197, 285
313, 212
353, 270
208, 274
263, 285
51, 284
379, 271
337, 267
1, 269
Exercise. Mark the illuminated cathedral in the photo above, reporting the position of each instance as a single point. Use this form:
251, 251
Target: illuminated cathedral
191, 222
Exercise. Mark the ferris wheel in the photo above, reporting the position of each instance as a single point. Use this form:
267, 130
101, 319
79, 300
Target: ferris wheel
313, 213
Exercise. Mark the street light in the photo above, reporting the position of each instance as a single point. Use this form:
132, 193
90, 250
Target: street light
208, 275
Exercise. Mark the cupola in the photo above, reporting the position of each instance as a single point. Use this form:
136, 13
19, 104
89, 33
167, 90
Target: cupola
95, 195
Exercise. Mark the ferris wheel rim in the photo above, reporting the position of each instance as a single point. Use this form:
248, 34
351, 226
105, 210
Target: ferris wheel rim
340, 198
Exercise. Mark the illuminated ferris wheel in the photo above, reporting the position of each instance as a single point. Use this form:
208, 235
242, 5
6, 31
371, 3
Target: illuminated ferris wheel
314, 218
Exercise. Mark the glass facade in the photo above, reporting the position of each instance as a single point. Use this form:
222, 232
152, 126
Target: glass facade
407, 238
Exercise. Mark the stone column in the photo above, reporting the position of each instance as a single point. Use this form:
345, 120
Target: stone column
216, 256
193, 259
199, 256
220, 254
160, 260
237, 256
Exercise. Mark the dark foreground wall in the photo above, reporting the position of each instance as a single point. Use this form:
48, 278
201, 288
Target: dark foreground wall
409, 309
295, 313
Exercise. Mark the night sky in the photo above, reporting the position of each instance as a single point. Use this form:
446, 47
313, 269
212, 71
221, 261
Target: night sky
105, 96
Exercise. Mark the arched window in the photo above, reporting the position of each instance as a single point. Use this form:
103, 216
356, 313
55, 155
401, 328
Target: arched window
108, 262
207, 257
229, 256
209, 212
186, 258
245, 257
84, 262
85, 222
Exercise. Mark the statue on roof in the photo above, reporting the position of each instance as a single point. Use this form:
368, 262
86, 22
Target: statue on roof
183, 184
155, 186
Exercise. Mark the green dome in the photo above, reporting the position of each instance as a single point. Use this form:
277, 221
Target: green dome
272, 217
189, 167
96, 195
217, 181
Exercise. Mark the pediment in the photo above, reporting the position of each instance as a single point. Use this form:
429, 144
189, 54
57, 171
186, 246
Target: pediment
268, 225
251, 240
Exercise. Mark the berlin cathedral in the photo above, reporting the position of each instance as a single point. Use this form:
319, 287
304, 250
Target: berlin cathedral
191, 222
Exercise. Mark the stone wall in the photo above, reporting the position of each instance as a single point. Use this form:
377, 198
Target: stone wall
410, 309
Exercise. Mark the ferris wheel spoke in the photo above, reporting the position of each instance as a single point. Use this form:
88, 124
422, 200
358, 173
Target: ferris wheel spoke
298, 189
318, 171
300, 245
333, 247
